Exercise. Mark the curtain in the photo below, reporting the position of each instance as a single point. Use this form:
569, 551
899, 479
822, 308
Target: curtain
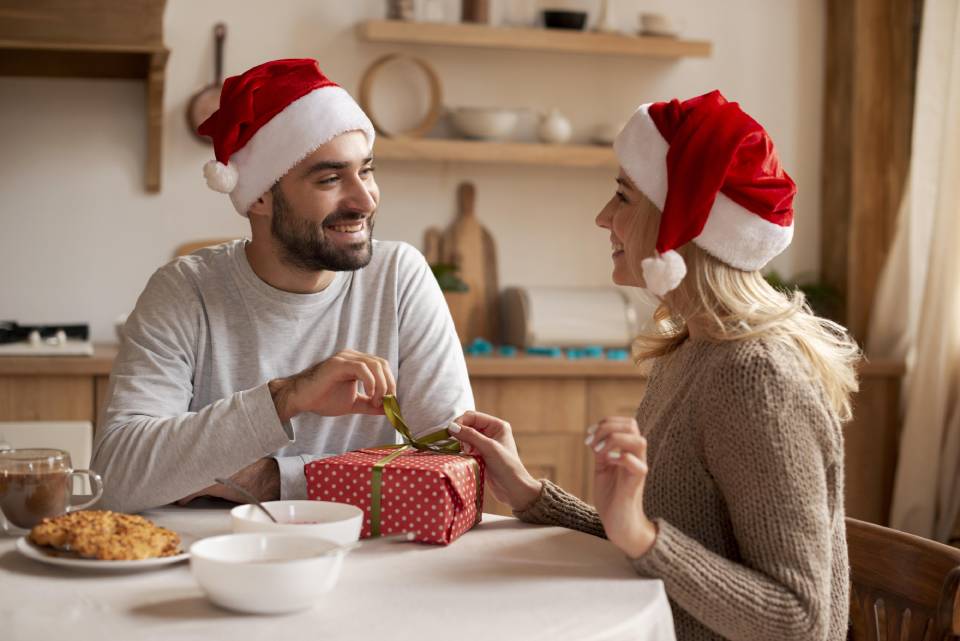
916, 313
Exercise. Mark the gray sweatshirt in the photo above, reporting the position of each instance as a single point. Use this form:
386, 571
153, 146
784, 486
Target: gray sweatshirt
188, 398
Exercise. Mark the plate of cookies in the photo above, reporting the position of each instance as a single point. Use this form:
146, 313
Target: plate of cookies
101, 539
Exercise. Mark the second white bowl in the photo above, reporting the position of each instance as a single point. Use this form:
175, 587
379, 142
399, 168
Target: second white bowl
265, 573
338, 522
485, 123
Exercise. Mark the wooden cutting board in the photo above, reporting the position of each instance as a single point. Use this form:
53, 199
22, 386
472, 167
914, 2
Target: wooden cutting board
471, 247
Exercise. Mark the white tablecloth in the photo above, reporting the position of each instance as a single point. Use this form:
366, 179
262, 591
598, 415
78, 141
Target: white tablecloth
501, 581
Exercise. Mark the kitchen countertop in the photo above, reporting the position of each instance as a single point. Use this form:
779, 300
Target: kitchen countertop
479, 366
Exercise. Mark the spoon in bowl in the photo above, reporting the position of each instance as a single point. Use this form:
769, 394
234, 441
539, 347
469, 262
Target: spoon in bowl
247, 495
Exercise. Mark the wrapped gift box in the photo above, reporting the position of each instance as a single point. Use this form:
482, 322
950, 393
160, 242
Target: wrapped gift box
437, 496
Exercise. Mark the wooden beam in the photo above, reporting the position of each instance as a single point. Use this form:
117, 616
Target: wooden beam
867, 127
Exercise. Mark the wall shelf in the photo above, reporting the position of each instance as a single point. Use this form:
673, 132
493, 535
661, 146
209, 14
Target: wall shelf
516, 153
530, 39
117, 39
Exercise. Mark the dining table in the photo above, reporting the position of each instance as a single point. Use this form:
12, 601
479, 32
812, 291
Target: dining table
502, 580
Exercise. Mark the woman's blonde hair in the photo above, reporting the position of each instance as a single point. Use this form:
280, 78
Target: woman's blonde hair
737, 305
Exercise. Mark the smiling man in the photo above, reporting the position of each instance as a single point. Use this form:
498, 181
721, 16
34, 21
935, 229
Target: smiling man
251, 358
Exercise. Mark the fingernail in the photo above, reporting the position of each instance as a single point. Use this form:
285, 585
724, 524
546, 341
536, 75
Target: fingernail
599, 446
614, 454
588, 440
592, 429
453, 428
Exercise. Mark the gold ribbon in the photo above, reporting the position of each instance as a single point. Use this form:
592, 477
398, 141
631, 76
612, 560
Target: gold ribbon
439, 442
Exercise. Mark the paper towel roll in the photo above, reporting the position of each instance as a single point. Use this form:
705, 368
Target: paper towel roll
568, 317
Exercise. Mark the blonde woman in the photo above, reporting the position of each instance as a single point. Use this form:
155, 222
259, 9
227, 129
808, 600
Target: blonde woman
728, 484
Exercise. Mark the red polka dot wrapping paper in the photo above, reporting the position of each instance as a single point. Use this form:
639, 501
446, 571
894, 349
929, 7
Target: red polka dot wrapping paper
435, 495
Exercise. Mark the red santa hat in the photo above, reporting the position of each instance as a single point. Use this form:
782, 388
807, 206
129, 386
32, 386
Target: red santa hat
270, 118
714, 174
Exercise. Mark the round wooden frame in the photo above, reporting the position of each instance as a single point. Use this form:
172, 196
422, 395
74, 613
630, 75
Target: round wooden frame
436, 96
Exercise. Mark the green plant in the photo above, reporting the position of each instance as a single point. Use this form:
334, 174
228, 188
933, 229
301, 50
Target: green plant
825, 300
448, 278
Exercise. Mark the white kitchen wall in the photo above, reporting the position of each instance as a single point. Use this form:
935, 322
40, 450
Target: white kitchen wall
79, 237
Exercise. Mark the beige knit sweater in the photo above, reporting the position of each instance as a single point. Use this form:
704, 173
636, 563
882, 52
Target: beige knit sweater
746, 488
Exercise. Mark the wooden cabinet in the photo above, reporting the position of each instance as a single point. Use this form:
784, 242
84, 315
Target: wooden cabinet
548, 402
55, 388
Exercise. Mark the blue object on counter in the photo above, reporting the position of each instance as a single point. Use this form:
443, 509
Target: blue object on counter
592, 351
617, 354
479, 347
551, 352
508, 350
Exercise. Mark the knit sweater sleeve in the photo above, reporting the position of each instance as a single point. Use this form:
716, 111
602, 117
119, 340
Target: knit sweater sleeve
767, 445
554, 506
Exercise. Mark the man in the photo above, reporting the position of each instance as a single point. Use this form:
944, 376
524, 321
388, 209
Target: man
251, 358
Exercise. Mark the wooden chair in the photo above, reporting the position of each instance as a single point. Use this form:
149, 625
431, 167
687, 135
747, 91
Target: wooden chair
904, 587
189, 248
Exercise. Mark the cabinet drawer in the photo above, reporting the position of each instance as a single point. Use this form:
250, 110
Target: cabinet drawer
46, 398
548, 405
557, 457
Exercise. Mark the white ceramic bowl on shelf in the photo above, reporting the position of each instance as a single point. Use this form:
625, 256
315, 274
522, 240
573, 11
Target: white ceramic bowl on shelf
265, 572
337, 522
484, 123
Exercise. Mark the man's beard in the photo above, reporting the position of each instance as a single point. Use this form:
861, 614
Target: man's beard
304, 246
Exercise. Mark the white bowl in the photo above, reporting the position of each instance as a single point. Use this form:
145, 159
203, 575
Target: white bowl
338, 522
266, 572
487, 123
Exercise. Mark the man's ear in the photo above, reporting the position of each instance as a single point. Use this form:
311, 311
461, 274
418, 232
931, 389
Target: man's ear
263, 206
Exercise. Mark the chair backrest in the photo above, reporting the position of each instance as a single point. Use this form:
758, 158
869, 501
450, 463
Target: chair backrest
904, 587
189, 248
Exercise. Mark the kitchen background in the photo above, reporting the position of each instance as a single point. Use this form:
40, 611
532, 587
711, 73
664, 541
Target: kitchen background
80, 235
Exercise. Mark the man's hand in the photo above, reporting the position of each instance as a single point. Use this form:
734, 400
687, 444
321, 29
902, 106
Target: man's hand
331, 388
262, 479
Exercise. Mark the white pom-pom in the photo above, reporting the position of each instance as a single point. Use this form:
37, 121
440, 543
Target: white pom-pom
220, 177
664, 272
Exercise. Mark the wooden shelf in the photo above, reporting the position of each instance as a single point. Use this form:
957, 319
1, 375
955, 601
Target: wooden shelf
557, 40
516, 153
85, 60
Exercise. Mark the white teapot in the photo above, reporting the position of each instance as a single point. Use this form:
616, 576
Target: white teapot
555, 128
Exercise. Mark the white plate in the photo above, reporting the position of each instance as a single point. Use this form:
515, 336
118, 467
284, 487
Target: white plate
28, 549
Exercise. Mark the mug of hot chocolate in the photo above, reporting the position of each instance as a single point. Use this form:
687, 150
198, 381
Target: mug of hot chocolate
38, 483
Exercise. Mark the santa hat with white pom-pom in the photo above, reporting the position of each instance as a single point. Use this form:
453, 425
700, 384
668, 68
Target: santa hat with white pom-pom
270, 118
714, 174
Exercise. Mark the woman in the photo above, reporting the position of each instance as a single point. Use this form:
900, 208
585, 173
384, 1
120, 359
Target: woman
728, 485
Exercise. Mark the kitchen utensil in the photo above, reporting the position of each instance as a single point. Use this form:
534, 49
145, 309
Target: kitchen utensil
568, 317
485, 123
574, 20
555, 128
247, 495
36, 483
476, 11
266, 572
469, 246
207, 100
338, 522
432, 238
657, 24
51, 557
436, 95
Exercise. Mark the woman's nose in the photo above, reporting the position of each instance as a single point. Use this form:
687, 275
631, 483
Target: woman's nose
603, 218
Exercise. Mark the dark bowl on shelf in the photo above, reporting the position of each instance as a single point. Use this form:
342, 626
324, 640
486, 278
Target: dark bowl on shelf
575, 20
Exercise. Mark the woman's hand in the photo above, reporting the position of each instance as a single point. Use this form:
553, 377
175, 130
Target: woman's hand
620, 455
492, 438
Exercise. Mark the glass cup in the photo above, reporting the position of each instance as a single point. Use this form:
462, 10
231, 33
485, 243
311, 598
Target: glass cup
38, 483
